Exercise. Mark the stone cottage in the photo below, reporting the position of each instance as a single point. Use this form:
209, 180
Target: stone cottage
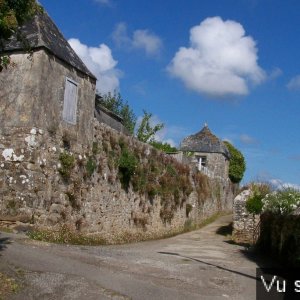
207, 153
47, 86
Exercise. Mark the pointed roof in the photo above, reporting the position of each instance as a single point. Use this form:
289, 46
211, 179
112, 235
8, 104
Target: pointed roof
41, 32
204, 141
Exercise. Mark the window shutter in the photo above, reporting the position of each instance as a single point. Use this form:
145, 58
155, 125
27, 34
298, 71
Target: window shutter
70, 102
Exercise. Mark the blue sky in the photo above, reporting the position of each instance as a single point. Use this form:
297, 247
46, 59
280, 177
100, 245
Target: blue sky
233, 64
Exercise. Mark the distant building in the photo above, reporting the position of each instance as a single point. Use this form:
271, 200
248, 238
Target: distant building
47, 86
207, 153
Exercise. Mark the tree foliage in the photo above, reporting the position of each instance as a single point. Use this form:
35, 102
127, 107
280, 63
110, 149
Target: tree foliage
237, 164
13, 13
165, 147
146, 131
115, 103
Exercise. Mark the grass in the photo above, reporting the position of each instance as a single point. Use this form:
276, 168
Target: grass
8, 286
64, 235
6, 229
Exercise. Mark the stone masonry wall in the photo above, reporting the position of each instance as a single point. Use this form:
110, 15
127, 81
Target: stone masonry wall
32, 96
48, 179
244, 223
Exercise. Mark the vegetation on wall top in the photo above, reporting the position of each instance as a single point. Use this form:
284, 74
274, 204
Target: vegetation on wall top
145, 131
12, 15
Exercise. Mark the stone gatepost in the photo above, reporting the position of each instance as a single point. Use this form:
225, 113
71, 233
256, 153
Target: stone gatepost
245, 224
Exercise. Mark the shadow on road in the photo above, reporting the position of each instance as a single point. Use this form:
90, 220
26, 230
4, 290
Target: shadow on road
210, 264
3, 242
225, 230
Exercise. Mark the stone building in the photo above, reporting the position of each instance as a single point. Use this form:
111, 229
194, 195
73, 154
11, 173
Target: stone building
207, 152
47, 86
59, 164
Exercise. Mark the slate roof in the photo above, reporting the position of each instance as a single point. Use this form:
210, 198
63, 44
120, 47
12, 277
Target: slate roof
41, 32
204, 141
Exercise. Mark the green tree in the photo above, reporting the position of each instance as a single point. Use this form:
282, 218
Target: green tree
115, 103
13, 13
146, 132
166, 147
237, 164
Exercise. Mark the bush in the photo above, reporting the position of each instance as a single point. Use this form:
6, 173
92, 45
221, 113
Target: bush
282, 202
67, 161
254, 204
237, 164
127, 165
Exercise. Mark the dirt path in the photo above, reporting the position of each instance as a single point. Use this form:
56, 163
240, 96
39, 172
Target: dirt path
196, 265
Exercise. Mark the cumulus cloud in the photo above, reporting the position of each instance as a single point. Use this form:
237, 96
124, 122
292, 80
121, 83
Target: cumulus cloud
141, 39
100, 62
220, 61
294, 83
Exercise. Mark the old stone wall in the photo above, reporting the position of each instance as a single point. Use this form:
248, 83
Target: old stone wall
279, 237
32, 96
245, 228
49, 179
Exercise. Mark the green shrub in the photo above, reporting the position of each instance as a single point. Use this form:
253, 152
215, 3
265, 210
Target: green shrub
237, 164
127, 165
165, 147
67, 161
254, 204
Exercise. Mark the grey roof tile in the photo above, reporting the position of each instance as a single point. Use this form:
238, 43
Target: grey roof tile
204, 141
41, 32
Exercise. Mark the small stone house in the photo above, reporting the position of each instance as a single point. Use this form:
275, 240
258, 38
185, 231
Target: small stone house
207, 153
47, 86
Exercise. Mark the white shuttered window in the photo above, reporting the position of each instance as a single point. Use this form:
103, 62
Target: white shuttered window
70, 101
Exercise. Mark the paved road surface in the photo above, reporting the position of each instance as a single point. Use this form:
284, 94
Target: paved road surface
196, 265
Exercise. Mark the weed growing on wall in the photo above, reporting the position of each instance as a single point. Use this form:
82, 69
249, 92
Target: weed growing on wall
90, 166
67, 161
127, 165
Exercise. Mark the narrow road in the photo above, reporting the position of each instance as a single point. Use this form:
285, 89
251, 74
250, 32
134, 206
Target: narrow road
196, 265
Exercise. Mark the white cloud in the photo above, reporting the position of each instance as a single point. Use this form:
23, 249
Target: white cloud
248, 140
141, 39
104, 2
279, 184
151, 43
100, 62
294, 83
221, 59
275, 73
120, 36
